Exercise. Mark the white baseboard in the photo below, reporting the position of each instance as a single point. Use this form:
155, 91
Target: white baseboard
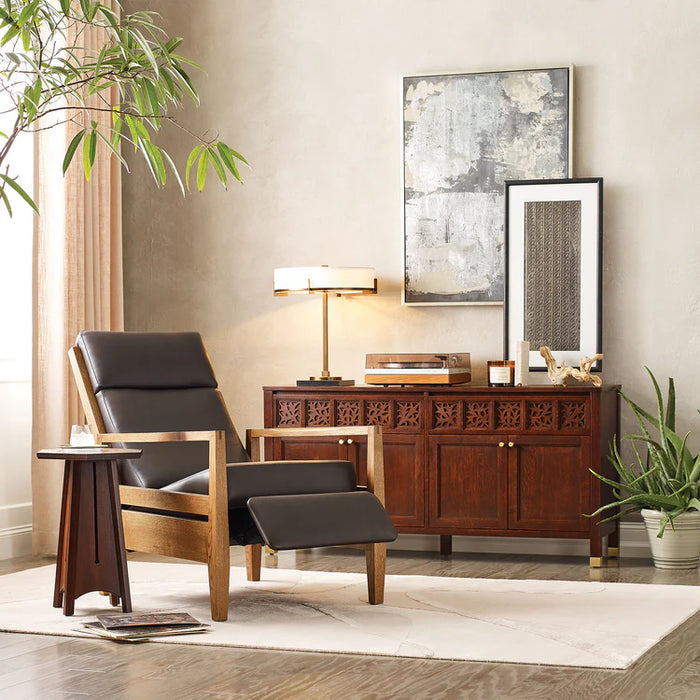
633, 543
15, 530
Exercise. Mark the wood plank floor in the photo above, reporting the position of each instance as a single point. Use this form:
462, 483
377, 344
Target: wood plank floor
33, 666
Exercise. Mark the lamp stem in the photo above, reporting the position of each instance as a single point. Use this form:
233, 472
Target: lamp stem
325, 372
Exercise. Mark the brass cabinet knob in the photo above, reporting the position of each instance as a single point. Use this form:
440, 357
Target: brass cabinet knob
341, 441
349, 441
511, 444
501, 444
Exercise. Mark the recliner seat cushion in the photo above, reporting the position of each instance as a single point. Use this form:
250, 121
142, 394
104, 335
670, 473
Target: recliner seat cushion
321, 520
275, 478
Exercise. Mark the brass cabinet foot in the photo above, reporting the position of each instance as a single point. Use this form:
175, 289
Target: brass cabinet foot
614, 552
596, 562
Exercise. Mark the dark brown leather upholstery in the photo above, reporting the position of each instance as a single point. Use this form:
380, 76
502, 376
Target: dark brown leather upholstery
164, 382
348, 518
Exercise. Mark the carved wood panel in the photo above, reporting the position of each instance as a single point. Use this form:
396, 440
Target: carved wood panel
408, 414
477, 415
445, 414
318, 412
348, 413
540, 415
289, 413
508, 415
572, 415
378, 413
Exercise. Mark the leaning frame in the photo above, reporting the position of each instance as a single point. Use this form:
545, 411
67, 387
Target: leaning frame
554, 242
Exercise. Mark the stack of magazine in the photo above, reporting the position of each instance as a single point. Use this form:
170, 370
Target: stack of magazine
138, 627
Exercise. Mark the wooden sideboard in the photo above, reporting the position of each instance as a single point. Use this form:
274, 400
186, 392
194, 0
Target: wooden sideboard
470, 460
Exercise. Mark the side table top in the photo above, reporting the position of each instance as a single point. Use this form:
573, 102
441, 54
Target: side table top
88, 454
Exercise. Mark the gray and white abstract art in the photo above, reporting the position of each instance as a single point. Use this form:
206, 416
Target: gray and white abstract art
464, 135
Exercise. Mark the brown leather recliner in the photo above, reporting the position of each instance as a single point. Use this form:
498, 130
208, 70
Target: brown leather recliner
157, 391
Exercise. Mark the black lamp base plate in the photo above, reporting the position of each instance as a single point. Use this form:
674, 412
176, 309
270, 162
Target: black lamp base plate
325, 382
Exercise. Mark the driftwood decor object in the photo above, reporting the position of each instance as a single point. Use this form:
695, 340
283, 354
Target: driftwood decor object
559, 375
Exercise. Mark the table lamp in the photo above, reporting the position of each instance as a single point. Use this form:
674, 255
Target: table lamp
325, 280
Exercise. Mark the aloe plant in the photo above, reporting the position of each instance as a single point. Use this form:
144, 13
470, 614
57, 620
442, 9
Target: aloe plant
665, 475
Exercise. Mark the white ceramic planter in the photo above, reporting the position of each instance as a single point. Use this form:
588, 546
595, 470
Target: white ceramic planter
679, 548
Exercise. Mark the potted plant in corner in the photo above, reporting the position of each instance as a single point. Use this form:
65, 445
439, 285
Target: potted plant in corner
662, 482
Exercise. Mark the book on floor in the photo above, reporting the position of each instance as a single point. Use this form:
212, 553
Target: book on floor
137, 627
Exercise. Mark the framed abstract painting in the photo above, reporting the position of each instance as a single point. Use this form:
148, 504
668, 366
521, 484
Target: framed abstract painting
554, 241
464, 135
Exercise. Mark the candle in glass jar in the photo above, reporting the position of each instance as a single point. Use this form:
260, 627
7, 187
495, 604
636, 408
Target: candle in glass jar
501, 372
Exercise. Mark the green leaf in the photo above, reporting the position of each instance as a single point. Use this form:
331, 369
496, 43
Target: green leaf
202, 169
15, 186
27, 13
190, 162
174, 169
227, 157
236, 154
6, 201
155, 161
72, 147
65, 7
113, 149
118, 125
89, 150
10, 35
217, 165
171, 45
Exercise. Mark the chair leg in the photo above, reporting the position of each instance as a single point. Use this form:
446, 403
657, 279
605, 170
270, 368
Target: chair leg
375, 556
253, 556
219, 575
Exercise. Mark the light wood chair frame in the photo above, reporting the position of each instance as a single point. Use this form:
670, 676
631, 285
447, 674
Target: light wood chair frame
207, 540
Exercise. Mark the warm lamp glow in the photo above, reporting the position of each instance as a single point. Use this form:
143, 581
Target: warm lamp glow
325, 280
336, 280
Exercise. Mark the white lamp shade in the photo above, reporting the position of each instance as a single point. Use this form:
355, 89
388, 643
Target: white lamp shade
337, 280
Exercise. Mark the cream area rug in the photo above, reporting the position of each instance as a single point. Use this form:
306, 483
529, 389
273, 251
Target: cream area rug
603, 625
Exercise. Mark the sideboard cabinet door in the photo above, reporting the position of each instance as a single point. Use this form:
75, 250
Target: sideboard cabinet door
549, 483
468, 482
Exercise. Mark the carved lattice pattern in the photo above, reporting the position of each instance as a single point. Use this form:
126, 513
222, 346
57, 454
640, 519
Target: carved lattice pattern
378, 413
540, 415
289, 414
573, 415
508, 415
318, 413
408, 414
446, 414
347, 413
477, 414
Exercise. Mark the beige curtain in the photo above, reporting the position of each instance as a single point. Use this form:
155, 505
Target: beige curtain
77, 286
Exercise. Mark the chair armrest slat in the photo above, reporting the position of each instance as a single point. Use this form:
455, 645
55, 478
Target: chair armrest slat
183, 436
173, 501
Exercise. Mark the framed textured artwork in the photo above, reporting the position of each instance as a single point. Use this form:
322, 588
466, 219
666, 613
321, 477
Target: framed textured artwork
464, 135
554, 236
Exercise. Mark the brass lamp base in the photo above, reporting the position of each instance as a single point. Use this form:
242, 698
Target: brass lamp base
325, 381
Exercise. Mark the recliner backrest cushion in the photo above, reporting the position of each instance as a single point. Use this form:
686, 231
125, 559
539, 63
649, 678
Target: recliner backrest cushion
158, 382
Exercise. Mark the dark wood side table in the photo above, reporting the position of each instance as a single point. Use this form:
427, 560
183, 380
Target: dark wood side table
91, 554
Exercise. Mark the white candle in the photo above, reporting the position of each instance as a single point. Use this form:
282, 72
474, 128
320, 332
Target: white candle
522, 363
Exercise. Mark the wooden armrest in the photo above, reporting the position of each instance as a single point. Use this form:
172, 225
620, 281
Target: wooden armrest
183, 436
215, 505
333, 431
174, 501
375, 446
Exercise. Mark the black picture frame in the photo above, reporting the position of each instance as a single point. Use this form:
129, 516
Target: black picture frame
553, 275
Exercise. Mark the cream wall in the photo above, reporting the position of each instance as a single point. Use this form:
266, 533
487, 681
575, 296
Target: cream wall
310, 92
